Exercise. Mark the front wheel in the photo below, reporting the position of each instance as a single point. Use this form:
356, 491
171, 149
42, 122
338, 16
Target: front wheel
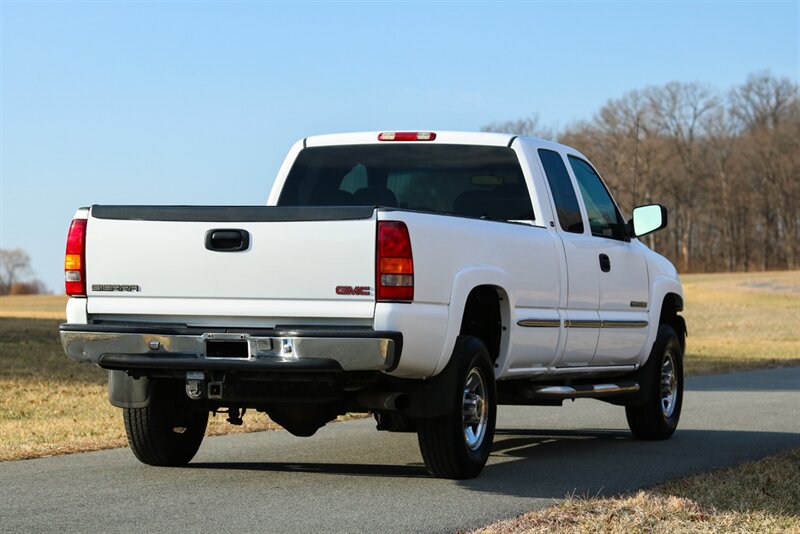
457, 445
169, 430
662, 382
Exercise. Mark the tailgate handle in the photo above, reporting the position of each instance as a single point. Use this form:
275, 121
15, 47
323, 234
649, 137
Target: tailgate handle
227, 240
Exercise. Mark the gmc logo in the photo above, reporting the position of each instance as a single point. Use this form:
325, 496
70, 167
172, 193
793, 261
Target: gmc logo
352, 290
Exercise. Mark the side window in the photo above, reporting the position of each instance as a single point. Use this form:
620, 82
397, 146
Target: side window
569, 214
604, 217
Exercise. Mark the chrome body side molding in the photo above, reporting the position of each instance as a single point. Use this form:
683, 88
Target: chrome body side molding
539, 323
580, 323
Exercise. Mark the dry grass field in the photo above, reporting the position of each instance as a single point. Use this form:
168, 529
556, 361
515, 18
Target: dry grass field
52, 405
762, 496
741, 321
34, 306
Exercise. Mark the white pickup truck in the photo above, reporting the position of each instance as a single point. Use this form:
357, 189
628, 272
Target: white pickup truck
425, 277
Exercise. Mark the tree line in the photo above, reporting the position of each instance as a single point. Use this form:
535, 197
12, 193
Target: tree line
726, 164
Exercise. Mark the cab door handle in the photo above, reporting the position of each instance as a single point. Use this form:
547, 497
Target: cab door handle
605, 263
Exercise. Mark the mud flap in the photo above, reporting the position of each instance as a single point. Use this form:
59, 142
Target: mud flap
433, 397
127, 392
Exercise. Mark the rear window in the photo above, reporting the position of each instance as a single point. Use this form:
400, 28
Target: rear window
472, 181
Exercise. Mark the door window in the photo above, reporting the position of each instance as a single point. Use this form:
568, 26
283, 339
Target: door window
569, 214
604, 217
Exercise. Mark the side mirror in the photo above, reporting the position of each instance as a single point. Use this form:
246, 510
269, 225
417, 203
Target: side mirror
648, 219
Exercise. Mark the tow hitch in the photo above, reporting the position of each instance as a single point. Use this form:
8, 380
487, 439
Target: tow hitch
195, 380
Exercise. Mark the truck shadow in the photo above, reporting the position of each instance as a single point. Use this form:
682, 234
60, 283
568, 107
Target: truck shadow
554, 463
543, 463
364, 470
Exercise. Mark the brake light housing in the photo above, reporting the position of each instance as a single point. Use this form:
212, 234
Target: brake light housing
394, 263
406, 136
75, 259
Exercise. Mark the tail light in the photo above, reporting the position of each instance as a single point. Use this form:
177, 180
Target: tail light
75, 259
394, 263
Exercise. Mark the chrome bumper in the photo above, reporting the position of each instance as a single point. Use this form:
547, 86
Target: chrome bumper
352, 349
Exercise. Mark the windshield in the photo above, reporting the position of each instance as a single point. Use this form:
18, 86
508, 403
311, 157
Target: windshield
467, 180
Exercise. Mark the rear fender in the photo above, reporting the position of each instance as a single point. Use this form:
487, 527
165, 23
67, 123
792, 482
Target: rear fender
464, 282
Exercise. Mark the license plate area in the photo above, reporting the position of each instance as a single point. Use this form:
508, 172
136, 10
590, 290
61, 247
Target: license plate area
226, 348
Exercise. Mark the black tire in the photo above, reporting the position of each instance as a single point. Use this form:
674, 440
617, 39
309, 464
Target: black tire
656, 416
443, 440
169, 430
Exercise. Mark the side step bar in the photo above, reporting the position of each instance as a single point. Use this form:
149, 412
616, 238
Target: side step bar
586, 390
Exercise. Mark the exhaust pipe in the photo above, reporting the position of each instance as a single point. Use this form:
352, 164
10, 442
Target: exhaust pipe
383, 400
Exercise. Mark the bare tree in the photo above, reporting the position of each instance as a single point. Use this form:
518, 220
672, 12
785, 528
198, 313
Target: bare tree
767, 110
763, 101
529, 126
678, 112
14, 264
721, 138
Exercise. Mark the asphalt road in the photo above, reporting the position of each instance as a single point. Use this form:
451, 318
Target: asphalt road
350, 478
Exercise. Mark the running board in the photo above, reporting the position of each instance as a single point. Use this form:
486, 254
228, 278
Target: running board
586, 390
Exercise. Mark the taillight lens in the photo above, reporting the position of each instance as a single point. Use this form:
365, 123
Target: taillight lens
75, 259
394, 263
406, 136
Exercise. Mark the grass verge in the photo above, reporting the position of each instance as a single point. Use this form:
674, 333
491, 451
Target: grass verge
760, 496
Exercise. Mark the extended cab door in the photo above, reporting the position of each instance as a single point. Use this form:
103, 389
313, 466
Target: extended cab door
581, 321
623, 277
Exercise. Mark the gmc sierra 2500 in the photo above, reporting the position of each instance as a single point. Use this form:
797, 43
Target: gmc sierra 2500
425, 277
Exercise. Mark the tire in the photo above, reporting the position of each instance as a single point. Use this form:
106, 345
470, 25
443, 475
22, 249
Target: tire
656, 417
169, 430
452, 447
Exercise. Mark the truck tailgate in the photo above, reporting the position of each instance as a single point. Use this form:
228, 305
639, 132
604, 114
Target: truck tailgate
159, 261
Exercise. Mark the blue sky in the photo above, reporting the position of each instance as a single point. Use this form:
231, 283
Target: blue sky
197, 102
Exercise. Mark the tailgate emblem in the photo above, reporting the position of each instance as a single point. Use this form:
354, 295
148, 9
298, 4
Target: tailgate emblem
116, 287
352, 290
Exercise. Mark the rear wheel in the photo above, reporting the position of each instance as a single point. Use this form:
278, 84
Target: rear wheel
457, 445
169, 430
662, 383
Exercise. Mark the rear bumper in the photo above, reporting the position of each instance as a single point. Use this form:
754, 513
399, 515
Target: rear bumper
281, 349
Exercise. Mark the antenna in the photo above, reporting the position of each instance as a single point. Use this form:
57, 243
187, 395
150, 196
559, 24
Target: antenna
635, 161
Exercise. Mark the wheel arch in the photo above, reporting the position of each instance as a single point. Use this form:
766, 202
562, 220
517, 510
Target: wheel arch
666, 304
483, 317
671, 305
474, 289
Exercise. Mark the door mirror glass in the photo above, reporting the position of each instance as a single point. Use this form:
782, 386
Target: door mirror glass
647, 219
